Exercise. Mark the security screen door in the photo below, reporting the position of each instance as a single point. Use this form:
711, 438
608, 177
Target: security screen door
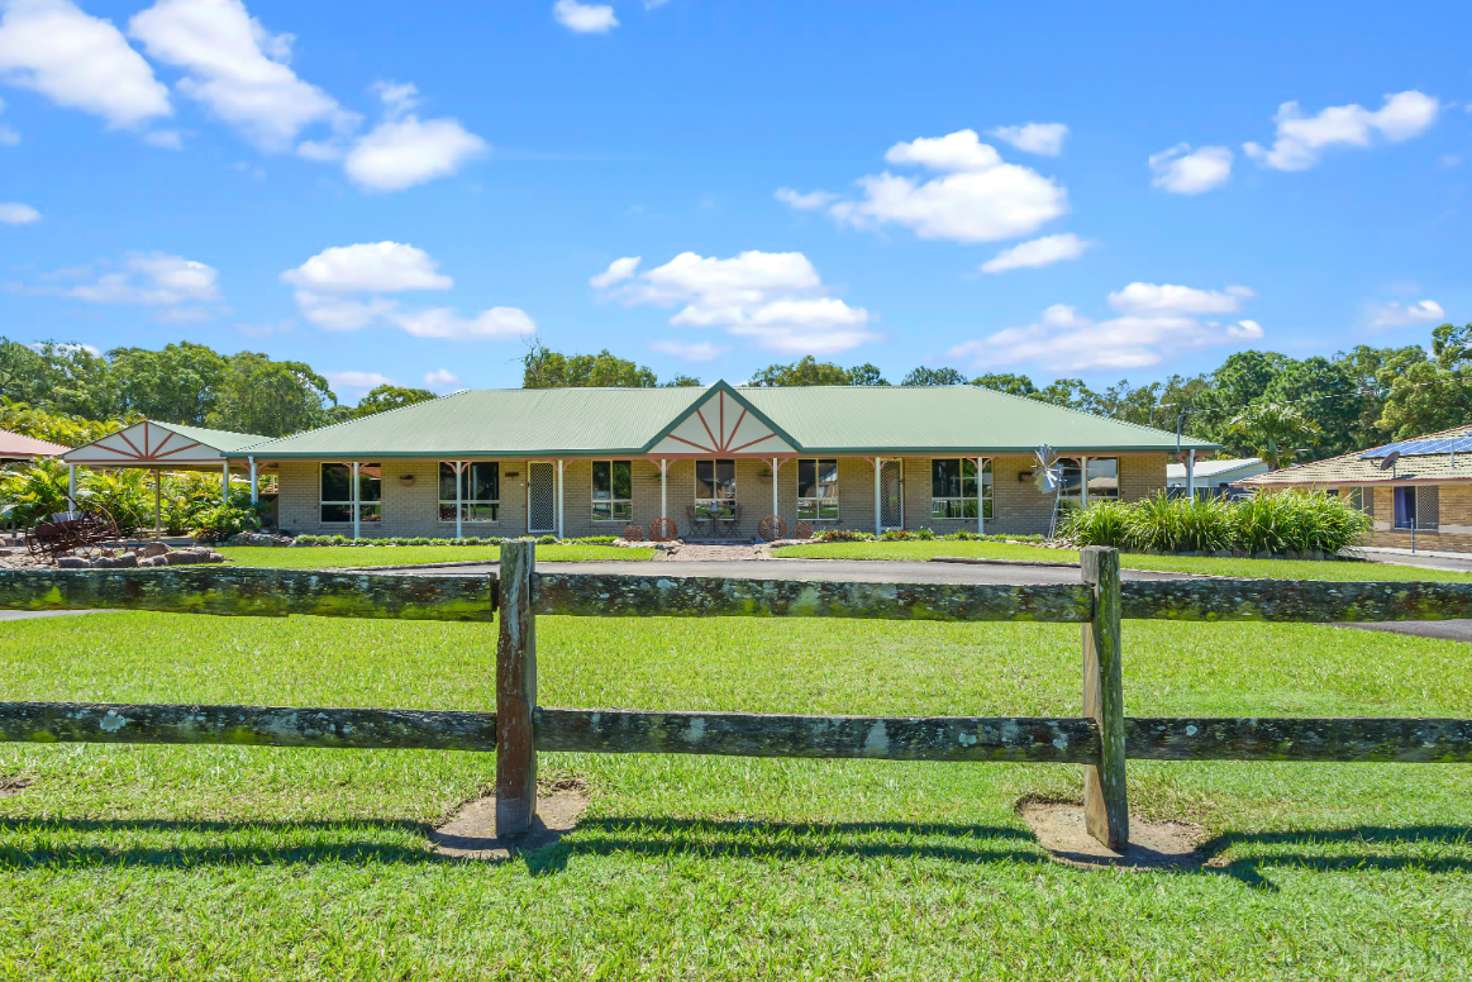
541, 498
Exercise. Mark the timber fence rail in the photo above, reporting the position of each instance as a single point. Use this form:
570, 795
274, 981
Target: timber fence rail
1101, 739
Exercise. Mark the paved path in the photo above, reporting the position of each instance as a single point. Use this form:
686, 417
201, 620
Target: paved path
1405, 558
870, 571
1458, 630
25, 615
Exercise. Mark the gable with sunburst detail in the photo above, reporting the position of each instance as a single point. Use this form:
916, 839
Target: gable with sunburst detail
722, 424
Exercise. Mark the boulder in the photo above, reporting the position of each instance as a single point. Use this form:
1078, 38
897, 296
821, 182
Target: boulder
151, 549
126, 561
159, 560
73, 562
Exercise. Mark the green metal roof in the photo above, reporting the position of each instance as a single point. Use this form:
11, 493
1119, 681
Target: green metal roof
838, 419
226, 441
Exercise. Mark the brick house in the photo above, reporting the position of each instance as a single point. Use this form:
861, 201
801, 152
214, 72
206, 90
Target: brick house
715, 461
1418, 489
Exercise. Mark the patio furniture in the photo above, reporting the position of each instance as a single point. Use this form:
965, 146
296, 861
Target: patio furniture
730, 522
702, 522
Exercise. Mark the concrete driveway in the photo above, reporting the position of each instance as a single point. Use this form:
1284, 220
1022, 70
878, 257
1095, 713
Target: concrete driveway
867, 571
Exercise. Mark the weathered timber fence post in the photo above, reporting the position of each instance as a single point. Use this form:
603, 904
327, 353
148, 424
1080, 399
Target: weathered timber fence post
516, 692
1106, 806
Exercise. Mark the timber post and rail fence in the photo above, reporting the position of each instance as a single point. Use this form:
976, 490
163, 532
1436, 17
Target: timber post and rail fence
1102, 738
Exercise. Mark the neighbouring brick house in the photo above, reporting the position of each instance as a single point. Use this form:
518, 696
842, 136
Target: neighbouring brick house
715, 461
1420, 487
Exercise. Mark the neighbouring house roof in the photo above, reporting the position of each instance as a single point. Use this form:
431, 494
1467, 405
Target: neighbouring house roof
165, 445
1210, 470
14, 446
1354, 468
721, 420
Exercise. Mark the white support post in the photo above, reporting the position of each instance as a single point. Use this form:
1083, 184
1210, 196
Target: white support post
560, 509
775, 503
980, 497
878, 512
71, 484
224, 482
664, 487
459, 468
357, 527
1190, 475
1083, 482
255, 484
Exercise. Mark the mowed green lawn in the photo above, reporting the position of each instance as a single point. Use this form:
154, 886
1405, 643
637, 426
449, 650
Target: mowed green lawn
232, 861
336, 557
1287, 569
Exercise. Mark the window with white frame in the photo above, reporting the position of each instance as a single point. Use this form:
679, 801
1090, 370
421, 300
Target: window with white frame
479, 486
715, 488
336, 498
1102, 478
1070, 483
613, 490
817, 490
1363, 499
953, 485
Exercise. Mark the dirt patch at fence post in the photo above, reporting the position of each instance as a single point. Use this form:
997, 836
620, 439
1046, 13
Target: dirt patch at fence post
1059, 827
470, 833
13, 785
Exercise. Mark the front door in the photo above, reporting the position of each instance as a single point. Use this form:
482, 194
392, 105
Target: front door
541, 498
892, 494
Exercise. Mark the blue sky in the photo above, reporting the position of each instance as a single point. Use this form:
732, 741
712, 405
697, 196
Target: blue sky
407, 192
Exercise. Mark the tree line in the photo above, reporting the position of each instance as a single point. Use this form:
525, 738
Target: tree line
1257, 403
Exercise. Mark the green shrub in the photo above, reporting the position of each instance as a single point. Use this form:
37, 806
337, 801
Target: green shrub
32, 494
1294, 522
126, 495
1105, 523
222, 521
842, 535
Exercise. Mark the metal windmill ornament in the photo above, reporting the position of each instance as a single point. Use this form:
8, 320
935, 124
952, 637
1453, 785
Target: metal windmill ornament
1048, 476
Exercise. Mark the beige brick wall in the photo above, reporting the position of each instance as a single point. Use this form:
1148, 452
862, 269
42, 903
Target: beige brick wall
411, 508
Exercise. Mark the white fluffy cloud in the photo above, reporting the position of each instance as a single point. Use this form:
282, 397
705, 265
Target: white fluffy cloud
400, 153
441, 379
1167, 298
776, 299
1181, 170
1044, 139
79, 61
585, 18
1034, 253
237, 68
976, 197
15, 213
1155, 321
689, 350
1395, 314
805, 201
178, 289
1300, 140
442, 322
377, 267
351, 379
617, 271
347, 288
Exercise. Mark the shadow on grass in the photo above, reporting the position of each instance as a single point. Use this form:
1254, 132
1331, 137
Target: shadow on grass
370, 841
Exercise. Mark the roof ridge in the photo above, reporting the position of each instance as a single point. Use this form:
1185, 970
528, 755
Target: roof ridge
358, 419
1079, 412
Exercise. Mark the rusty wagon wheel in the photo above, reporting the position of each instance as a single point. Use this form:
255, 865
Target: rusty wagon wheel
662, 530
633, 532
772, 527
804, 530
